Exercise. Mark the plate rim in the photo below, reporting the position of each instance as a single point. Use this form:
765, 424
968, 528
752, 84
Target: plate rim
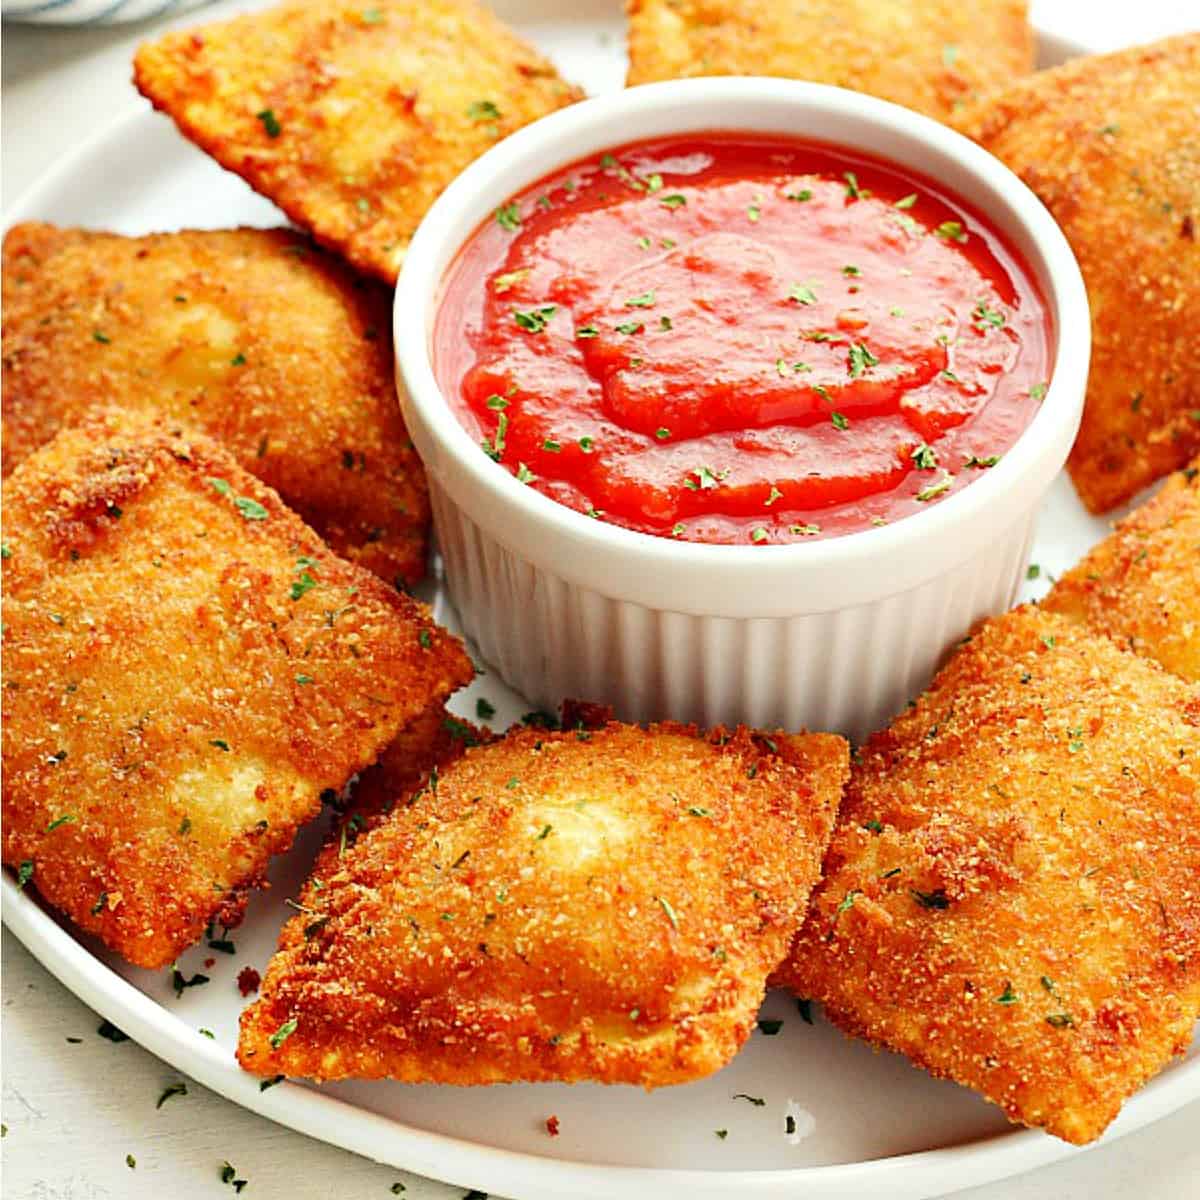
911, 1176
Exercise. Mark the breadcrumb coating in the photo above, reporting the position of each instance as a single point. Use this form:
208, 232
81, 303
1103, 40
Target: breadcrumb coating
568, 905
931, 55
1012, 894
351, 117
1141, 585
253, 336
187, 668
1109, 145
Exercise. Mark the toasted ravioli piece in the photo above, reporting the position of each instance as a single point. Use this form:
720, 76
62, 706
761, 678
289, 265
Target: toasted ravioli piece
351, 118
1012, 894
1141, 585
186, 669
251, 335
597, 905
1109, 145
930, 55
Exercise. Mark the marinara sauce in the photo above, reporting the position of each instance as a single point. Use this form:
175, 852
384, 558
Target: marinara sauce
729, 338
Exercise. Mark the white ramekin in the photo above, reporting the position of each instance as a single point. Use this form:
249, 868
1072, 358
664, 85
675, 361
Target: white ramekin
834, 634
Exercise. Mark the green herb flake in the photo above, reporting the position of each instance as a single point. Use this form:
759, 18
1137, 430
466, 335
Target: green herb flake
934, 490
270, 122
802, 294
176, 1089
924, 457
1038, 391
1008, 996
675, 200
67, 819
937, 899
24, 874
906, 202
860, 359
282, 1034
629, 328
101, 337
587, 331
130, 1161
757, 1101
721, 1133
801, 196
483, 110
645, 300
987, 318
951, 231
840, 421
534, 320
1060, 1020
853, 191
508, 217
5, 551
982, 464
662, 433
1033, 571
509, 280
804, 530
672, 916
524, 474
769, 1026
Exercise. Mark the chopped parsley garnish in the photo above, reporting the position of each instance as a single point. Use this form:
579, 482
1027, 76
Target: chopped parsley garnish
951, 231
1008, 996
936, 489
534, 320
1033, 571
629, 328
666, 907
483, 110
802, 294
304, 584
662, 433
176, 1089
935, 899
706, 478
987, 318
753, 212
270, 122
757, 1101
851, 271
303, 680
485, 710
1060, 1020
524, 474
585, 444
67, 819
769, 1026
721, 1133
804, 530
508, 217
5, 551
227, 1176
282, 1034
677, 529
924, 457
238, 360
759, 534
551, 446
24, 874
587, 331
982, 463
101, 337
698, 810
502, 283
654, 184
805, 1009
645, 300
130, 1161
906, 201
425, 639
178, 982
874, 826
775, 494
545, 833
675, 200
800, 196
1038, 391
860, 359
853, 191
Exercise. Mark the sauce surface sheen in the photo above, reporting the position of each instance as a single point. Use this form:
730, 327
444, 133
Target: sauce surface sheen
733, 339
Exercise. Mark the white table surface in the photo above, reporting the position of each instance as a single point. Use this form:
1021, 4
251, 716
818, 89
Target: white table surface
73, 1111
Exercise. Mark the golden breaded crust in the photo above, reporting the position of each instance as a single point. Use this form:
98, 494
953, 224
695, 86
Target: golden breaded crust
1109, 145
1012, 895
931, 55
1141, 585
559, 905
186, 669
351, 118
254, 337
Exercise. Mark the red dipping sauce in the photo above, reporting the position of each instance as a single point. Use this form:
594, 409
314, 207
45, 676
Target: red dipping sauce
738, 339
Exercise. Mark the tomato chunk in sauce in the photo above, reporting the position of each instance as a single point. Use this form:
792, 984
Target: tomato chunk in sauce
728, 338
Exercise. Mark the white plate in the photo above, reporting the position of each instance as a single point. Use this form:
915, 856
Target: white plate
870, 1123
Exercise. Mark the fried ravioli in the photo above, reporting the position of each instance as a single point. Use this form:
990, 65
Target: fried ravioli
186, 669
930, 55
1109, 145
351, 118
571, 905
1012, 894
252, 336
1141, 585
